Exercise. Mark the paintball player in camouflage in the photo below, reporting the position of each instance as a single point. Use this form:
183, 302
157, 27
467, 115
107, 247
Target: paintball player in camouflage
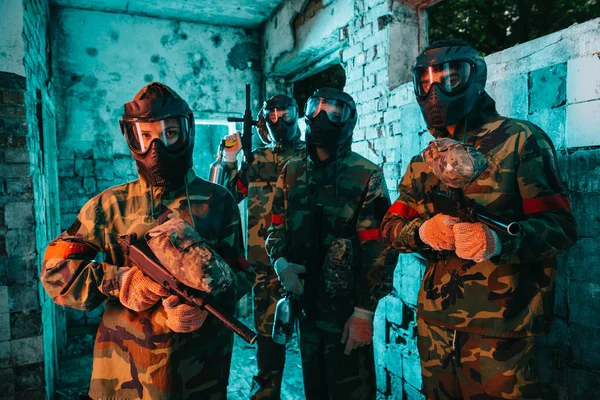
485, 295
149, 345
349, 269
257, 182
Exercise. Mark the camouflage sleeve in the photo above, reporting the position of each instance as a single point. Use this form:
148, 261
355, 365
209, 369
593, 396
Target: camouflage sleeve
236, 181
401, 223
549, 227
276, 239
231, 248
377, 265
69, 273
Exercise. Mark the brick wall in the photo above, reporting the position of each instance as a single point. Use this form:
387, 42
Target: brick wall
27, 334
389, 132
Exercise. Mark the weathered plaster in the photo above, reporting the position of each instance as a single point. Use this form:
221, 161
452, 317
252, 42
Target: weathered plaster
102, 60
12, 48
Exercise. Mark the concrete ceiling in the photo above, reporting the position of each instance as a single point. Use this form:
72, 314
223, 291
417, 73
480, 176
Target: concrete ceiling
239, 13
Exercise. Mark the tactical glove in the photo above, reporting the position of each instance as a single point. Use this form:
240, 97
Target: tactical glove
288, 275
358, 330
183, 318
475, 241
437, 232
138, 292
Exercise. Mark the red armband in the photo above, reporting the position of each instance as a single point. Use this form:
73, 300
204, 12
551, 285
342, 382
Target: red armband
277, 219
546, 203
369, 234
242, 188
403, 210
75, 250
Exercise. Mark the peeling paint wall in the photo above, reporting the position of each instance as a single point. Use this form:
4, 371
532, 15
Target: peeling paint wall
12, 49
290, 50
100, 62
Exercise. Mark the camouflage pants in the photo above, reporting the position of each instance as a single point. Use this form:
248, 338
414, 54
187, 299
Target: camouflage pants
461, 365
329, 373
270, 356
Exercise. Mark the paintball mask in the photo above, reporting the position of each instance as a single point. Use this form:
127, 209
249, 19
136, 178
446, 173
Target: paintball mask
330, 116
448, 82
159, 128
281, 115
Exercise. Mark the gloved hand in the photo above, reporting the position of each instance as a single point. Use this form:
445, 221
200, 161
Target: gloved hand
138, 292
233, 145
475, 241
183, 318
437, 232
287, 273
358, 330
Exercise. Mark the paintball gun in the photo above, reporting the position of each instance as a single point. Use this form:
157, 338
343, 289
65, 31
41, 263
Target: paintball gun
140, 254
248, 123
454, 202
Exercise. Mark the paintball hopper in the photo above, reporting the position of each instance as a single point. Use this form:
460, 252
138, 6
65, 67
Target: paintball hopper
456, 164
182, 251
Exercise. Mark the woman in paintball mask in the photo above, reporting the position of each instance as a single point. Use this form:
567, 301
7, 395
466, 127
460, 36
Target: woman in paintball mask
149, 344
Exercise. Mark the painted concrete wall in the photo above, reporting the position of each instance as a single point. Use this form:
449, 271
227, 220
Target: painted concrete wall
12, 49
100, 62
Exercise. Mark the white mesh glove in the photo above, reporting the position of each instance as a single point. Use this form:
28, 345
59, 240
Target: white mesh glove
358, 330
475, 241
287, 273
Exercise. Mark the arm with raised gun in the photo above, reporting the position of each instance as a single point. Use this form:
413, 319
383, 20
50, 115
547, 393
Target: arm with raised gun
139, 254
248, 123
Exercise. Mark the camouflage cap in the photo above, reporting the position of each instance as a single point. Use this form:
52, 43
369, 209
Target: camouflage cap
456, 164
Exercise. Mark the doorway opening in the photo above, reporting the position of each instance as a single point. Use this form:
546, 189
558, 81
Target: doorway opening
334, 77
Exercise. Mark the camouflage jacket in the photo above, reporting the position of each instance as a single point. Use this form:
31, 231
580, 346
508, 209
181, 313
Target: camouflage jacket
355, 199
511, 295
257, 182
135, 354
